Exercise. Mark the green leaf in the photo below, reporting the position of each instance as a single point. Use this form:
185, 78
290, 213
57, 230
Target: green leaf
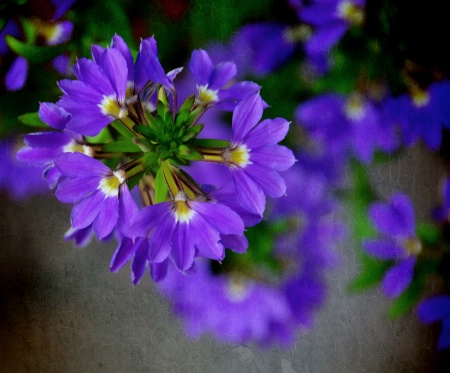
211, 143
370, 275
32, 119
121, 146
33, 53
429, 234
161, 188
408, 299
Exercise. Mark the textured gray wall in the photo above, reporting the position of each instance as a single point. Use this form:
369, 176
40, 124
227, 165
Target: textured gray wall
62, 311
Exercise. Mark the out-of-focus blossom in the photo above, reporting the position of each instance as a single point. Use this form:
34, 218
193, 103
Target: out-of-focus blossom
350, 125
422, 114
330, 19
260, 48
437, 309
395, 221
250, 303
20, 180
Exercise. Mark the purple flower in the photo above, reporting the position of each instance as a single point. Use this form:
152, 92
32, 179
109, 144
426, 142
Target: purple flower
422, 114
106, 85
331, 19
42, 148
18, 179
260, 48
53, 34
396, 222
253, 305
101, 196
211, 81
184, 228
437, 309
346, 124
254, 157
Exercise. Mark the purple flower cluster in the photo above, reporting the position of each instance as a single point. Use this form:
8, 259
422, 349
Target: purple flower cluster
250, 304
145, 141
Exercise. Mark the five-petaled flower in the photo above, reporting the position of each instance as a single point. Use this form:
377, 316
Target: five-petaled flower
395, 220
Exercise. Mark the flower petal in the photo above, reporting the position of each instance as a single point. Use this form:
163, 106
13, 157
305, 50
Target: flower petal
107, 217
246, 115
434, 309
384, 249
201, 66
76, 165
17, 74
398, 278
395, 218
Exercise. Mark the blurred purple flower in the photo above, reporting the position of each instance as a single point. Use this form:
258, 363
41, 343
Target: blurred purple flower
347, 125
20, 180
331, 19
260, 48
211, 82
422, 114
396, 222
266, 309
437, 309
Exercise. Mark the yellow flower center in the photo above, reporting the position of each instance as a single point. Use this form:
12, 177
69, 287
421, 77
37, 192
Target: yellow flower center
413, 246
183, 213
110, 185
206, 96
110, 106
350, 12
354, 108
74, 147
239, 156
236, 289
420, 97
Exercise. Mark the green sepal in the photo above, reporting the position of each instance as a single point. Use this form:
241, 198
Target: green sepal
143, 144
162, 96
182, 118
192, 132
33, 53
187, 104
194, 114
211, 143
124, 131
161, 188
149, 160
188, 153
144, 130
152, 122
121, 146
31, 119
29, 31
